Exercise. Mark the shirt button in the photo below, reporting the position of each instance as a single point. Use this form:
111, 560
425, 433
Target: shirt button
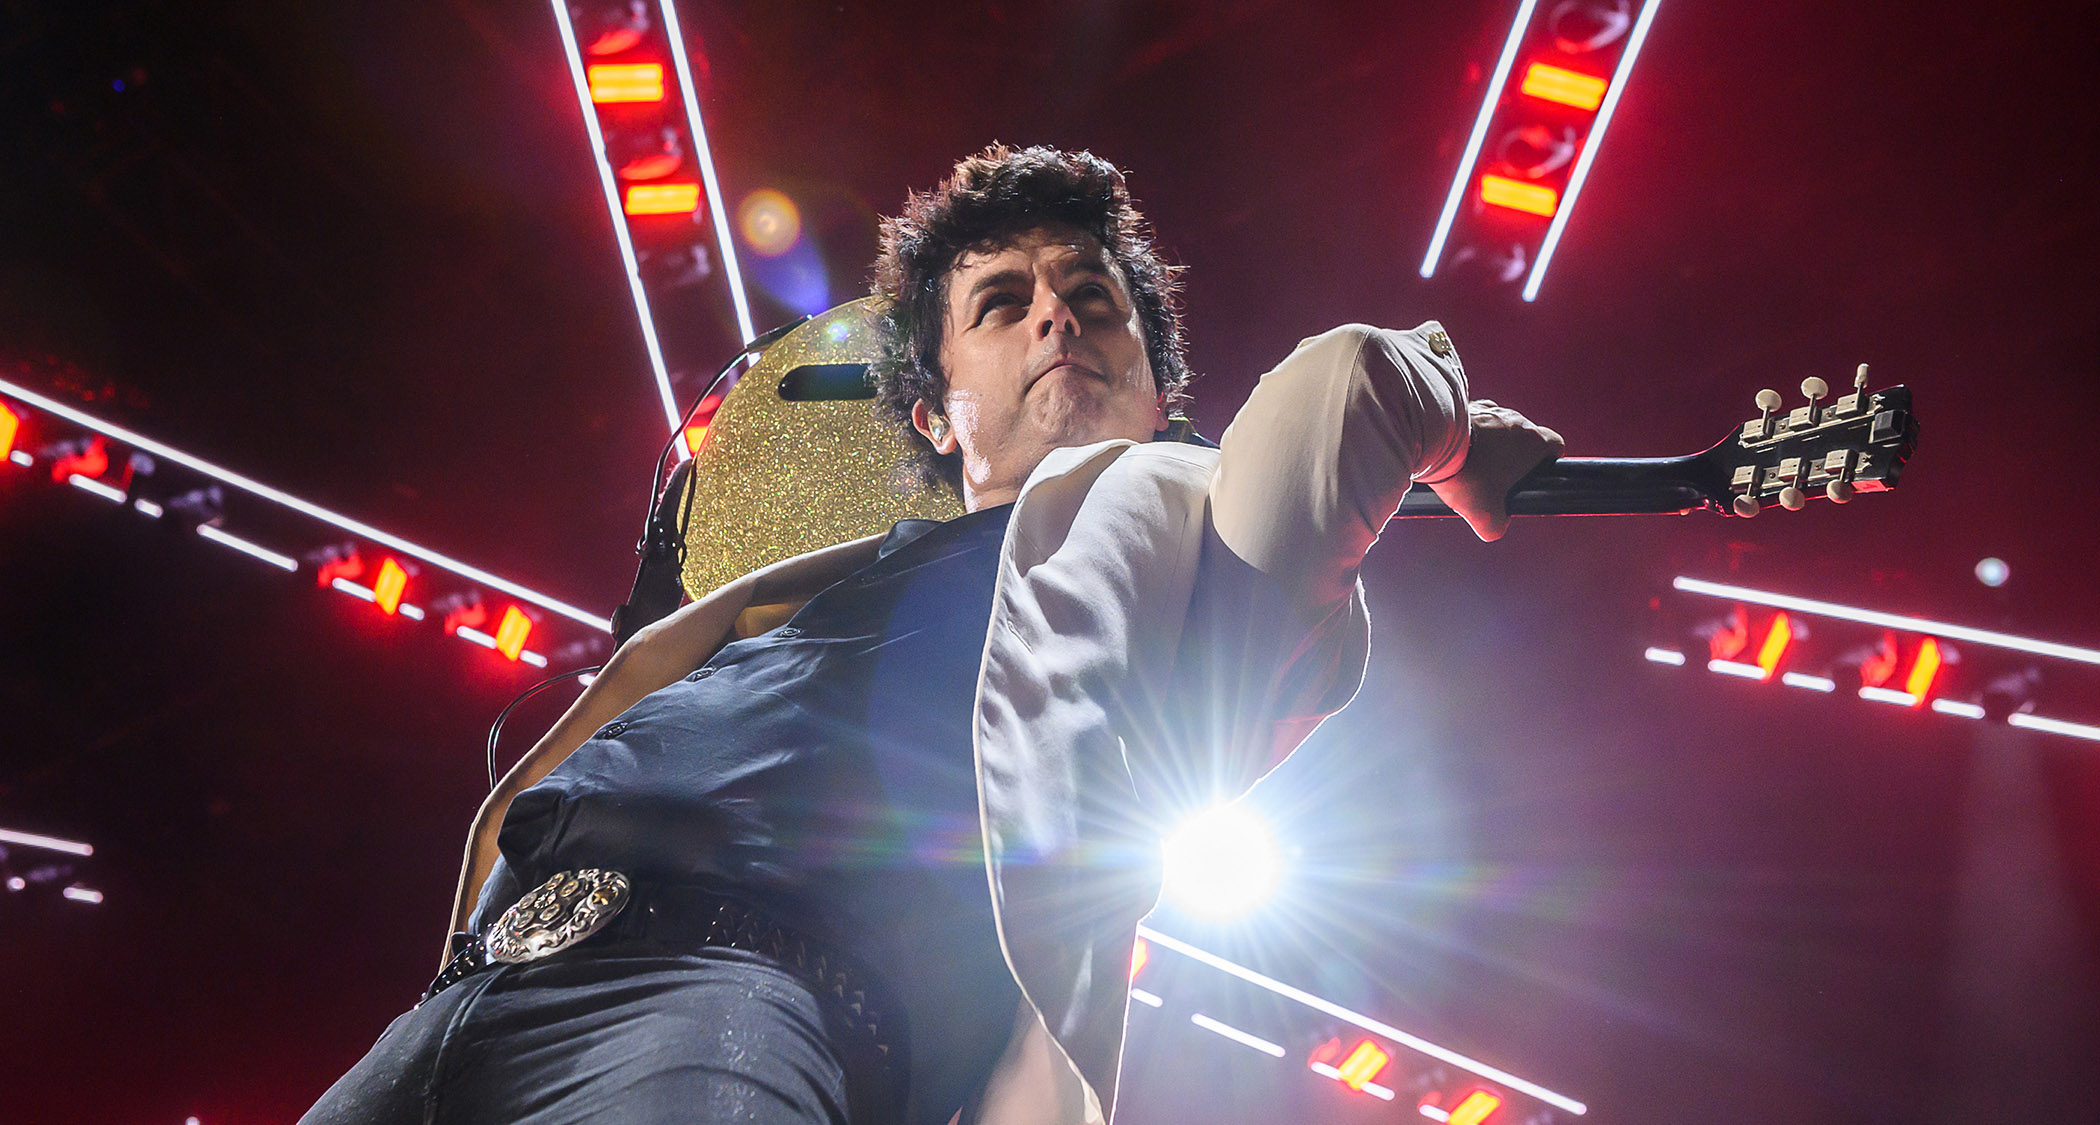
612, 730
791, 631
700, 675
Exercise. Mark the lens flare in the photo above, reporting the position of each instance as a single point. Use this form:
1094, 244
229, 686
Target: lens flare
1222, 863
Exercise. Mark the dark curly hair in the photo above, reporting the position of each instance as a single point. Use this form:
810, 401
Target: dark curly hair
987, 201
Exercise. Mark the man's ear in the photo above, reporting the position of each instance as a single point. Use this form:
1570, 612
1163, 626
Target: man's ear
933, 426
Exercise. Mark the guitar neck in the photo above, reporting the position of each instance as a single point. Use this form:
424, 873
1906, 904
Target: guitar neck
1593, 486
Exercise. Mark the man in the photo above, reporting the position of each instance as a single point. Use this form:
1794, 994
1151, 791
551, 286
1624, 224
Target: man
885, 816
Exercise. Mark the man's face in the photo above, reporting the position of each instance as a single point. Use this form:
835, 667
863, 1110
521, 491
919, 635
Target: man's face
1043, 348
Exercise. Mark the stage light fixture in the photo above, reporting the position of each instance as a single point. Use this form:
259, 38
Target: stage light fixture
1477, 137
1221, 863
1535, 152
1375, 1026
662, 199
82, 459
1774, 649
1363, 1065
207, 503
649, 154
618, 83
1993, 572
1581, 26
511, 632
1475, 1109
1924, 668
716, 209
1559, 84
1942, 629
610, 29
1517, 195
388, 587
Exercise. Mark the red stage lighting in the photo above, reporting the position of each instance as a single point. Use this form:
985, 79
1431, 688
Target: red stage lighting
625, 82
1477, 1108
1535, 199
10, 425
511, 634
350, 567
1880, 666
91, 463
1363, 1065
1923, 671
389, 586
1774, 649
1568, 87
663, 199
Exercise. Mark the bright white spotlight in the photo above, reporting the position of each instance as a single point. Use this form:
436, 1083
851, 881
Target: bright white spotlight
1222, 863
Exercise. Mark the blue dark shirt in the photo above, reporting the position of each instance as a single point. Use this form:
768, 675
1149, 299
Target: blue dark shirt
824, 772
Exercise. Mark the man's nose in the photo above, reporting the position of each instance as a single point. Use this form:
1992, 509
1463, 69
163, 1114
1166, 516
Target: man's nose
1052, 314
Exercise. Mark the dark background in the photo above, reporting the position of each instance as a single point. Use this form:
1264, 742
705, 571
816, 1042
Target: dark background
359, 251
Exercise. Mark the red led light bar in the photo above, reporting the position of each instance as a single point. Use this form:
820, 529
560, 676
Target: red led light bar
389, 586
1477, 1107
1774, 649
1363, 1065
1517, 195
1568, 87
511, 634
662, 199
613, 83
1923, 671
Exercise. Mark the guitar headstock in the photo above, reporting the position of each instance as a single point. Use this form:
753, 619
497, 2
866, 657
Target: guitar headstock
1838, 449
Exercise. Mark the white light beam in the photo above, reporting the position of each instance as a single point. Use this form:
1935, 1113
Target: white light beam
1940, 629
48, 843
725, 240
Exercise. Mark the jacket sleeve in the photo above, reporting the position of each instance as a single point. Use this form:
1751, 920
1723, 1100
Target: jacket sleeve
1277, 636
1317, 460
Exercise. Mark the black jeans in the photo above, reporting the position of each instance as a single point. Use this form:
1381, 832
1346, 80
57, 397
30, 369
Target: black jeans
635, 1032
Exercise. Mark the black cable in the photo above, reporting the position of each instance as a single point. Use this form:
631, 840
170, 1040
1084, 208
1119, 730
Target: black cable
496, 728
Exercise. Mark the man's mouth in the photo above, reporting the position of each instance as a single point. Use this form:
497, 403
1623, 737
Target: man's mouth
1063, 362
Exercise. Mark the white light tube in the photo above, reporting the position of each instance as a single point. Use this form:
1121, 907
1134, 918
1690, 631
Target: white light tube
468, 633
354, 590
725, 240
532, 658
1146, 998
148, 507
315, 511
20, 458
412, 612
250, 549
1376, 1027
1939, 629
1371, 1088
1434, 1113
2053, 726
1664, 656
82, 894
1589, 151
1736, 668
96, 487
1478, 136
48, 843
1236, 1035
1953, 707
1889, 695
1812, 683
619, 222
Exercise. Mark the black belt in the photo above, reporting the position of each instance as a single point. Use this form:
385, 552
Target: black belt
602, 907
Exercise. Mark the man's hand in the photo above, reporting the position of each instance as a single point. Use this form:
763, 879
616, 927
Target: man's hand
1506, 445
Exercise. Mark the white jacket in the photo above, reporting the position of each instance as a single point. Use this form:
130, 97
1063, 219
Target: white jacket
1169, 622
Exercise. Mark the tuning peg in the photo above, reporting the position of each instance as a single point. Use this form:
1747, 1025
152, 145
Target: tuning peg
1851, 403
1814, 388
1840, 491
1768, 400
1792, 498
1745, 507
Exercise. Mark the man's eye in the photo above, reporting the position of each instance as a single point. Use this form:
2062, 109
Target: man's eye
996, 301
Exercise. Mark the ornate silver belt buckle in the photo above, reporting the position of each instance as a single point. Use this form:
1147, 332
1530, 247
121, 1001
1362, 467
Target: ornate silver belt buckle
565, 909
